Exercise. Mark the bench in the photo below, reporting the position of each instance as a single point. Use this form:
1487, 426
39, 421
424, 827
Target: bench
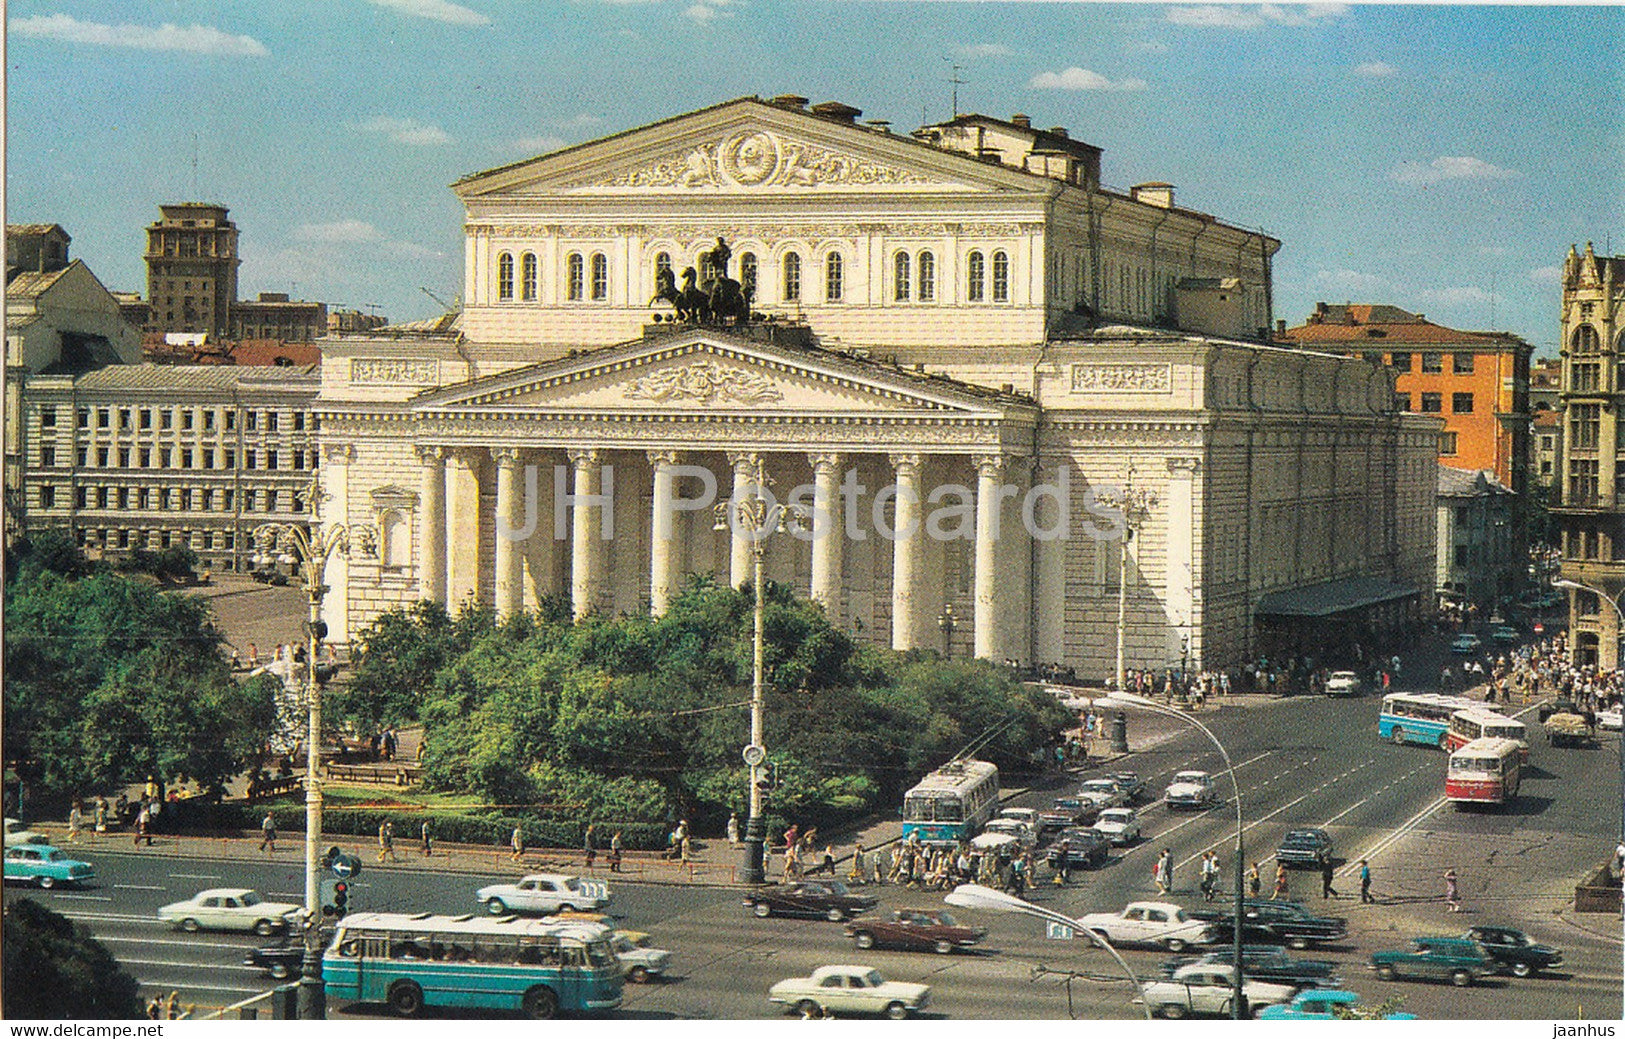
388, 772
273, 787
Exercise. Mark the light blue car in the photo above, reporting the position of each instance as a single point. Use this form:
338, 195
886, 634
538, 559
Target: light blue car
45, 866
1323, 1004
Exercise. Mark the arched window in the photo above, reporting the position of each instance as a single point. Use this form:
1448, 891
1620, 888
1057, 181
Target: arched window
396, 538
1584, 341
792, 277
900, 277
747, 274
928, 276
834, 278
505, 276
975, 277
600, 276
527, 277
662, 263
1001, 277
575, 285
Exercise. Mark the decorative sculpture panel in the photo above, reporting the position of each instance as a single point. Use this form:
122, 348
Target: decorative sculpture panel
757, 158
705, 382
394, 370
1122, 378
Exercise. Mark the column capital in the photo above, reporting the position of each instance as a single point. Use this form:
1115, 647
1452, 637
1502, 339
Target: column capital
907, 463
506, 457
342, 454
824, 463
989, 465
430, 454
1184, 467
665, 457
744, 462
584, 457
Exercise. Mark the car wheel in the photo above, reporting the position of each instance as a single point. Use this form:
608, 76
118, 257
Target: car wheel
1444, 742
540, 1004
809, 1010
1298, 943
281, 971
638, 975
763, 910
834, 914
897, 1011
1461, 978
1398, 735
1172, 1011
45, 883
863, 940
943, 946
1522, 970
567, 908
496, 907
1385, 972
405, 999
265, 928
190, 925
1175, 944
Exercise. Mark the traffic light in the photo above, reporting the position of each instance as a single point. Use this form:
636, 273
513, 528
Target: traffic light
335, 897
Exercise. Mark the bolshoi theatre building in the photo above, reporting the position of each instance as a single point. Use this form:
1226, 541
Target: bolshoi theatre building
1026, 408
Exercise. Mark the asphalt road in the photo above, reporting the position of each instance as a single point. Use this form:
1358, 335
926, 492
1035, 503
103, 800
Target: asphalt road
1300, 762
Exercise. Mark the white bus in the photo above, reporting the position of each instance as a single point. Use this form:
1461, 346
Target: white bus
952, 803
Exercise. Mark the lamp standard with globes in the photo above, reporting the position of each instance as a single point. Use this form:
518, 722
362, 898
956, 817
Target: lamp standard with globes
946, 621
310, 548
1134, 504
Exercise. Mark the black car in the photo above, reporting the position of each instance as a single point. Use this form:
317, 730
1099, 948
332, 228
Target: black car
1066, 812
280, 961
1305, 847
1513, 951
829, 899
1267, 963
1083, 848
1275, 923
1551, 707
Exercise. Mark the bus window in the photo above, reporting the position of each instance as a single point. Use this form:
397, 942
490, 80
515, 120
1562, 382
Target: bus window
949, 810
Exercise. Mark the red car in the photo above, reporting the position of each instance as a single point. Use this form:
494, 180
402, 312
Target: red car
916, 929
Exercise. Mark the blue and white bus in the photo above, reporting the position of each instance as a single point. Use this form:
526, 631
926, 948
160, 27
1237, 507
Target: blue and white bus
1420, 717
952, 803
413, 960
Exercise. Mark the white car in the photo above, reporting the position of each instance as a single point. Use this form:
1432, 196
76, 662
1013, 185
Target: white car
1026, 816
1150, 923
544, 893
841, 988
17, 833
1209, 988
1011, 828
1191, 790
1343, 683
641, 960
1105, 793
231, 909
1609, 719
1120, 825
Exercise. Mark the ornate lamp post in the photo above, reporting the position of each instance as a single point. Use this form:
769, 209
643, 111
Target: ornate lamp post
947, 622
310, 548
1135, 503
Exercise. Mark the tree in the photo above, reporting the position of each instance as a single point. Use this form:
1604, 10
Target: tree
54, 969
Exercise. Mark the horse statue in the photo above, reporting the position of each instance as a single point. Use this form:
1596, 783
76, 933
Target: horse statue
665, 288
727, 299
692, 303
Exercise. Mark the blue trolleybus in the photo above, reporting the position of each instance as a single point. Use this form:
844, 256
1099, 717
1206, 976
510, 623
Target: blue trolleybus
1420, 717
410, 961
952, 803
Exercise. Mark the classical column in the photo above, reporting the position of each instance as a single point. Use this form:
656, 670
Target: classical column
663, 556
906, 536
584, 505
1180, 574
829, 538
510, 562
746, 465
432, 525
463, 526
988, 470
1049, 582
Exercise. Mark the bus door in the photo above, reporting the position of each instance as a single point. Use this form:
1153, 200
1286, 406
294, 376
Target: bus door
370, 965
573, 986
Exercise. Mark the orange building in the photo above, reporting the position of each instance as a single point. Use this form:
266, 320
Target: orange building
1478, 382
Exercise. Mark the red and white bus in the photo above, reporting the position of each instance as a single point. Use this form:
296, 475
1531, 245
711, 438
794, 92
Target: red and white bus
1485, 772
1477, 723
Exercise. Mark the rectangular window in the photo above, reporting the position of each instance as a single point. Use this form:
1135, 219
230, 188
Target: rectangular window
1461, 364
298, 421
1461, 403
231, 539
123, 497
1585, 425
1583, 378
1582, 482
83, 456
47, 455
208, 498
1432, 363
101, 497
208, 419
47, 416
1400, 362
80, 496
1402, 402
47, 496
104, 418
231, 460
186, 499
163, 458
144, 498
124, 419
1432, 403
298, 459
227, 497
270, 500
271, 421
186, 458
208, 457
231, 420
251, 420
166, 418
186, 418
1447, 443
144, 456
250, 460
84, 418
270, 459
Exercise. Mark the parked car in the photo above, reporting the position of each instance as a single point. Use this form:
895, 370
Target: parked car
1343, 683
1104, 792
1151, 923
1466, 644
45, 866
1267, 963
1513, 951
829, 899
231, 909
1064, 812
1326, 1004
1086, 849
1209, 989
638, 957
1133, 786
1027, 816
844, 989
1550, 707
1191, 789
1014, 828
17, 833
1461, 960
544, 893
930, 929
1119, 825
1609, 718
1307, 846
279, 961
1505, 635
1276, 923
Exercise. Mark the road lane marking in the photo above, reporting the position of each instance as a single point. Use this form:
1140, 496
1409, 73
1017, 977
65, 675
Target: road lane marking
175, 963
141, 887
182, 986
113, 917
1400, 831
285, 894
87, 898
170, 941
195, 876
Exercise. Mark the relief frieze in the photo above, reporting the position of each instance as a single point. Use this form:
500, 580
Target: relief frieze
705, 382
757, 159
400, 370
1122, 378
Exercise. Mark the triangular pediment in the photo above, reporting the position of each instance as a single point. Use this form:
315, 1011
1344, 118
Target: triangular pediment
706, 371
744, 146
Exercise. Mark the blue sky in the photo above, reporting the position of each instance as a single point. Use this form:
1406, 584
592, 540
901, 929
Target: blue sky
1440, 158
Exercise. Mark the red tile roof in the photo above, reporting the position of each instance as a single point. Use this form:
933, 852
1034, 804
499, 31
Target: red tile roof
1374, 325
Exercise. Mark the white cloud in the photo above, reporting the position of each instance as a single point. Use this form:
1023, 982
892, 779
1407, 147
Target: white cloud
337, 231
983, 50
407, 131
194, 39
1450, 167
1343, 283
540, 145
707, 11
1228, 16
1075, 78
1375, 69
435, 10
1552, 275
1456, 296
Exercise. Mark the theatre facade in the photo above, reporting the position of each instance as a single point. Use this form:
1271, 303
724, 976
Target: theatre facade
1010, 405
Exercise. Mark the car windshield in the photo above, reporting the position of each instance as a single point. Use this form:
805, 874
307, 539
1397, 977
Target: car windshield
1189, 777
1115, 815
599, 954
836, 887
248, 898
947, 921
1068, 804
56, 856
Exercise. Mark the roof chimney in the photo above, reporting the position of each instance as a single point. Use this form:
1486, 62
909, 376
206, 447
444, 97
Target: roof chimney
1059, 131
837, 111
790, 101
1153, 193
1280, 326
1021, 121
883, 125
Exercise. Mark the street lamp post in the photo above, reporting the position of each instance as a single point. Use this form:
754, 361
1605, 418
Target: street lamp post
1134, 503
978, 896
1619, 616
310, 548
1238, 1006
945, 621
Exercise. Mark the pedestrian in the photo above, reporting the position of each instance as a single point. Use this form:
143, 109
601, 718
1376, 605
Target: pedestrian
685, 849
76, 821
1452, 893
517, 842
143, 827
1063, 863
1326, 890
856, 874
790, 836
268, 834
1365, 882
733, 829
386, 841
253, 656
428, 849
1280, 893
587, 848
1162, 873
1255, 881
1210, 875
828, 865
389, 743
101, 814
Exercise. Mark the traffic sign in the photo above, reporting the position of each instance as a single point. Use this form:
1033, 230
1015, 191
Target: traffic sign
345, 866
1058, 931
